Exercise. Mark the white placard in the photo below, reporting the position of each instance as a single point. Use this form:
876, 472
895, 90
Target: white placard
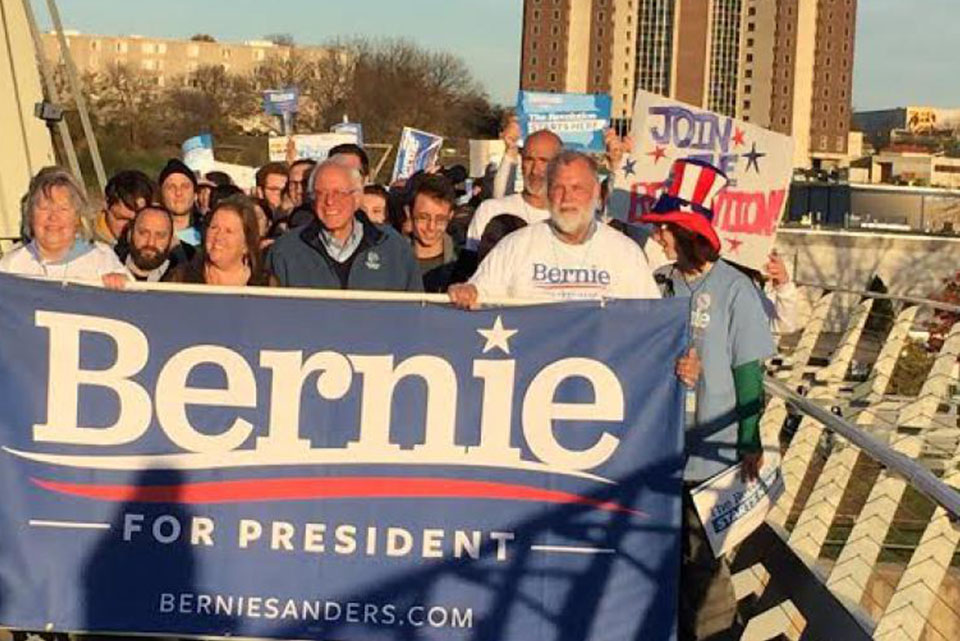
758, 162
730, 509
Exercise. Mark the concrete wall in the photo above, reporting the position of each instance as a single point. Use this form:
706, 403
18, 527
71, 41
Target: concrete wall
910, 265
27, 146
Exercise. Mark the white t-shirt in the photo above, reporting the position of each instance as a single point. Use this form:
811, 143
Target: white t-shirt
490, 209
533, 263
89, 262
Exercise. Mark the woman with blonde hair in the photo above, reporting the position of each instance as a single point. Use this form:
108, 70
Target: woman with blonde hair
59, 247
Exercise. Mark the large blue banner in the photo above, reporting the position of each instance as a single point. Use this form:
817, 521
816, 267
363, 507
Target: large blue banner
270, 466
579, 119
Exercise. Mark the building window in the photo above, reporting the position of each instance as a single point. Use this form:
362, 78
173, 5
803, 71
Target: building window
533, 76
746, 105
747, 89
748, 73
533, 61
553, 77
749, 57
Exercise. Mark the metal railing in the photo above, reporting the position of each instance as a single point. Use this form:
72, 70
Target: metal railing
863, 544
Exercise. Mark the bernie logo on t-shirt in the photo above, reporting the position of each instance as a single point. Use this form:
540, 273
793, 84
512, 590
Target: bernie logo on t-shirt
570, 279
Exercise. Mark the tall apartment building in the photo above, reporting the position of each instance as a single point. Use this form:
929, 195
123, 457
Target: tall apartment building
165, 58
783, 64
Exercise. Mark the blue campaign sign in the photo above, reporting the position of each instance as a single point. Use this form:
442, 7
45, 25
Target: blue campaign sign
277, 102
579, 119
264, 466
350, 128
418, 151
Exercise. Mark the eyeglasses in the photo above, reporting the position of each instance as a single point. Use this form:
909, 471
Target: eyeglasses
425, 219
322, 195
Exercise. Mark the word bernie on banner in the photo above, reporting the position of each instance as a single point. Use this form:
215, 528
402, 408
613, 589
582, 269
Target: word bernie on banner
294, 472
758, 162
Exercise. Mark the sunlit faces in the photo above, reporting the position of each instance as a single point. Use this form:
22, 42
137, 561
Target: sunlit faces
225, 243
574, 194
336, 198
430, 219
150, 239
375, 206
119, 216
272, 190
263, 221
55, 221
178, 194
295, 185
664, 237
539, 150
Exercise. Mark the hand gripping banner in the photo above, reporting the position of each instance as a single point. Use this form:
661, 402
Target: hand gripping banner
265, 465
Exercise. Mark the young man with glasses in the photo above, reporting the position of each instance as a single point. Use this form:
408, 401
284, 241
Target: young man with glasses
431, 210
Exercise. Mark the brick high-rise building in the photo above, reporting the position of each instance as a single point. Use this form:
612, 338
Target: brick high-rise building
783, 64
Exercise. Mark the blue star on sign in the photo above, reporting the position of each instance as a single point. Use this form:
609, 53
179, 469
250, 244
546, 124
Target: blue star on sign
753, 156
629, 167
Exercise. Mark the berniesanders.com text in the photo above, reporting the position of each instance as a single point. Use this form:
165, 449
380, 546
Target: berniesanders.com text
314, 610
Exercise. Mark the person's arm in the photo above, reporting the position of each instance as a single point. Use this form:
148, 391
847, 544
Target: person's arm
414, 277
785, 308
505, 180
783, 295
748, 383
504, 183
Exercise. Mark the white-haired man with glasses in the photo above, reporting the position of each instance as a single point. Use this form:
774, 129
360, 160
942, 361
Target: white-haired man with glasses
341, 248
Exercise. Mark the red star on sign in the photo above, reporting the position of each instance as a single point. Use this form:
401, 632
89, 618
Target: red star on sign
734, 245
657, 154
738, 140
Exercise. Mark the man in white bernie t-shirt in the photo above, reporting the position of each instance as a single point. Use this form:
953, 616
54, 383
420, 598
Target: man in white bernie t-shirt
540, 148
571, 256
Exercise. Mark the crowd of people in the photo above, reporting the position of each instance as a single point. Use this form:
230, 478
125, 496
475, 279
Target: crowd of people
534, 230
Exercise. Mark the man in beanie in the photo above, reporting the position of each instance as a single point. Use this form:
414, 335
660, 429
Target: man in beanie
178, 193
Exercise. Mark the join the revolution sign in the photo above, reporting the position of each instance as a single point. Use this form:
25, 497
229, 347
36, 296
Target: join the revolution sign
264, 466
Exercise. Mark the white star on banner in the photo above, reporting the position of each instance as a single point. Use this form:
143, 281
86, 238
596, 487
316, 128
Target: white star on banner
497, 337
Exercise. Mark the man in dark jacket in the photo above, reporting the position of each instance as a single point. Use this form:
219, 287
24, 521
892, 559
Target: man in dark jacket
341, 248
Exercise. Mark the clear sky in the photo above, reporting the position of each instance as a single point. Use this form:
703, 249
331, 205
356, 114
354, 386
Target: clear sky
903, 51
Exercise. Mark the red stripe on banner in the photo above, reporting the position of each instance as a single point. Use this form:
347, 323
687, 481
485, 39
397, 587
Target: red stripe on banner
676, 181
295, 489
704, 184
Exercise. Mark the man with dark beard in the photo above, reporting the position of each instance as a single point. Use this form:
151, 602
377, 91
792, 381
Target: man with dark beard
146, 249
